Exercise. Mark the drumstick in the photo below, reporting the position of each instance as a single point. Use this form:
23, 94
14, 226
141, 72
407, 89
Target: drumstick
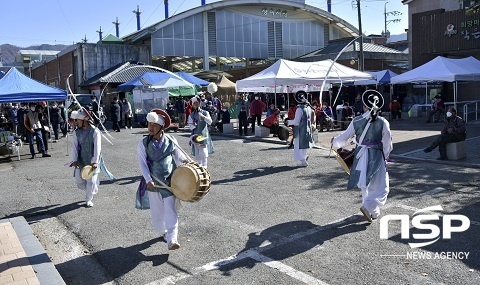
161, 182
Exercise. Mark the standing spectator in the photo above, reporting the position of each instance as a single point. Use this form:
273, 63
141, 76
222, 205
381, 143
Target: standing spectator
256, 109
14, 117
453, 131
242, 107
224, 117
216, 102
358, 106
180, 106
115, 113
44, 120
63, 114
395, 109
34, 128
438, 108
56, 119
22, 131
127, 112
291, 111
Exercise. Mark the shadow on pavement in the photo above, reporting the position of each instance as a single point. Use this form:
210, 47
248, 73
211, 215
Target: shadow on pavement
285, 243
116, 261
254, 173
51, 210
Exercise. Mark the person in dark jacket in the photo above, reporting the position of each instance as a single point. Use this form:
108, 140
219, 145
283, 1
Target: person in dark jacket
453, 131
115, 113
22, 131
55, 119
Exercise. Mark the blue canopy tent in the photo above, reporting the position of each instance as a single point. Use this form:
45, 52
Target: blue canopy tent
17, 87
146, 79
192, 79
384, 76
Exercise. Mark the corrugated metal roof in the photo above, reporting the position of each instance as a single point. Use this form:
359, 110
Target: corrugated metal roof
120, 73
336, 47
34, 51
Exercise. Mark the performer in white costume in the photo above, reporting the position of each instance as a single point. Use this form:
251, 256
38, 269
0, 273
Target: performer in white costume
198, 122
158, 156
86, 152
302, 131
373, 146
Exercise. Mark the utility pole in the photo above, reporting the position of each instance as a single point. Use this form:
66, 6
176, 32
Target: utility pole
360, 57
84, 40
386, 33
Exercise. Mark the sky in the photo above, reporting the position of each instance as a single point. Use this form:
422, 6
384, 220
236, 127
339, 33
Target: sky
66, 22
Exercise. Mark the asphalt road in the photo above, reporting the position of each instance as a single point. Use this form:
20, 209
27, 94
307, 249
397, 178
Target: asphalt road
264, 221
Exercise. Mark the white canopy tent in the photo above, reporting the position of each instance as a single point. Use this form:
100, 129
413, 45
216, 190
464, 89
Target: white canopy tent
442, 69
289, 74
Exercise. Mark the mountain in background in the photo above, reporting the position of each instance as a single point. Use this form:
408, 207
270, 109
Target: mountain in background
8, 51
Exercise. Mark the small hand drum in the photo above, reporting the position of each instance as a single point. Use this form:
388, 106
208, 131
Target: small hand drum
345, 158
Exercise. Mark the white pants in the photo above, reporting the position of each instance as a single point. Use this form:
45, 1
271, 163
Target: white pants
164, 215
299, 155
201, 154
375, 194
90, 186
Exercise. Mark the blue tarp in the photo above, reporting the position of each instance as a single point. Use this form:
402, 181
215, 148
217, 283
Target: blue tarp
17, 87
192, 79
146, 79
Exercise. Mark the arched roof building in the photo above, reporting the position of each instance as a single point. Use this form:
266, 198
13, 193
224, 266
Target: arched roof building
241, 29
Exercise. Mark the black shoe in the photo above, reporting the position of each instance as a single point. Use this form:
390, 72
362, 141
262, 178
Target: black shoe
442, 158
33, 156
427, 149
46, 155
117, 131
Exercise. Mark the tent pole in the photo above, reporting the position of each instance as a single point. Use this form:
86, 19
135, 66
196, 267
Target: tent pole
391, 97
275, 94
426, 96
455, 95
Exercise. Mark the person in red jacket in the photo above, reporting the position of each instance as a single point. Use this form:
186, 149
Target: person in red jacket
256, 109
271, 122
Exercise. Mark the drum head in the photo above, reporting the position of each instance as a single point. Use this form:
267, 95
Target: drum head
283, 132
190, 182
87, 172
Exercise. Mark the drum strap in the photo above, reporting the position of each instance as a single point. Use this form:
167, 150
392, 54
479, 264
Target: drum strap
362, 137
176, 144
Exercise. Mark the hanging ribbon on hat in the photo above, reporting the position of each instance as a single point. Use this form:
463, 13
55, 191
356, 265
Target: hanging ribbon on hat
88, 113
